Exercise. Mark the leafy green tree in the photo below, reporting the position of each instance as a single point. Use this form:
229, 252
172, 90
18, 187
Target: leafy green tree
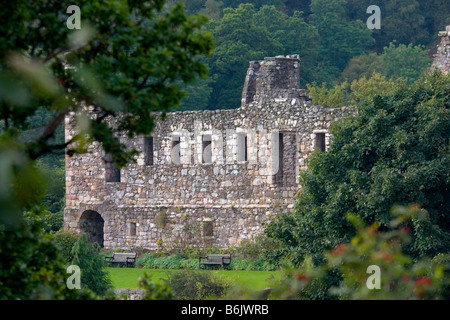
191, 6
256, 3
362, 90
212, 9
394, 151
361, 66
295, 35
124, 64
31, 267
401, 20
340, 38
290, 6
197, 95
436, 15
239, 40
333, 97
160, 49
402, 61
86, 255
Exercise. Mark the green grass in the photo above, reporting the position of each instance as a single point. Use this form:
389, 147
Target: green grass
127, 278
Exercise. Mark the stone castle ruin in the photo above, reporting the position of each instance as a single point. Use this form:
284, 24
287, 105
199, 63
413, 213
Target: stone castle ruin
442, 57
205, 178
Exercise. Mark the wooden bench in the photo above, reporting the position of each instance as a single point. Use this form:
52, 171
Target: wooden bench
215, 259
125, 258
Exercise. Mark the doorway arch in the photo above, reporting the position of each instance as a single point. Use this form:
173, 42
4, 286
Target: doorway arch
91, 222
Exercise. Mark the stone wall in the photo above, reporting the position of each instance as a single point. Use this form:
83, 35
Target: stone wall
215, 177
130, 294
442, 57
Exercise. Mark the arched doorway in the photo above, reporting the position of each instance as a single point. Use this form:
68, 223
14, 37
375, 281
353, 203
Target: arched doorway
91, 222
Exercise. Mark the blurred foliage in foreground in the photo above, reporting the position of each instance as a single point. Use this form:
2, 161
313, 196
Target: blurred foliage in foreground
345, 275
112, 75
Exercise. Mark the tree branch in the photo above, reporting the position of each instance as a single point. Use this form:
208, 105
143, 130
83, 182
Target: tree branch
152, 85
52, 126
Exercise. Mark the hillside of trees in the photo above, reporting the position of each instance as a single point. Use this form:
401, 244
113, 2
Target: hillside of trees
331, 37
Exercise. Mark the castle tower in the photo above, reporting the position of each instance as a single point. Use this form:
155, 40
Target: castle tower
271, 76
442, 57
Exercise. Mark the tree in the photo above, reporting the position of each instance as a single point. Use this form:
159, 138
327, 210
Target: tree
296, 36
123, 65
31, 267
362, 90
245, 34
212, 9
401, 20
239, 40
127, 66
402, 61
361, 66
256, 3
395, 151
86, 255
373, 265
340, 38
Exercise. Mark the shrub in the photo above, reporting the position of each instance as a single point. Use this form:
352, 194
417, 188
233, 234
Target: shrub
257, 248
154, 290
64, 241
45, 219
176, 261
87, 256
345, 273
196, 285
189, 260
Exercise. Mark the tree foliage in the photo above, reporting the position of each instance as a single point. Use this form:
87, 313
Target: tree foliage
406, 21
31, 267
340, 37
86, 255
331, 37
358, 91
395, 151
124, 60
123, 65
373, 265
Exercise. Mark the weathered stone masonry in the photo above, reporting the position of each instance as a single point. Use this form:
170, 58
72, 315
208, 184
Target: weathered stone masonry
442, 57
204, 178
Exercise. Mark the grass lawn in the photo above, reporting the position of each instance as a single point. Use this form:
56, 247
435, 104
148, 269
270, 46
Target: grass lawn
126, 278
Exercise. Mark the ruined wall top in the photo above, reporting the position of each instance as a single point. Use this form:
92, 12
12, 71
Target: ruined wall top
271, 76
442, 57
